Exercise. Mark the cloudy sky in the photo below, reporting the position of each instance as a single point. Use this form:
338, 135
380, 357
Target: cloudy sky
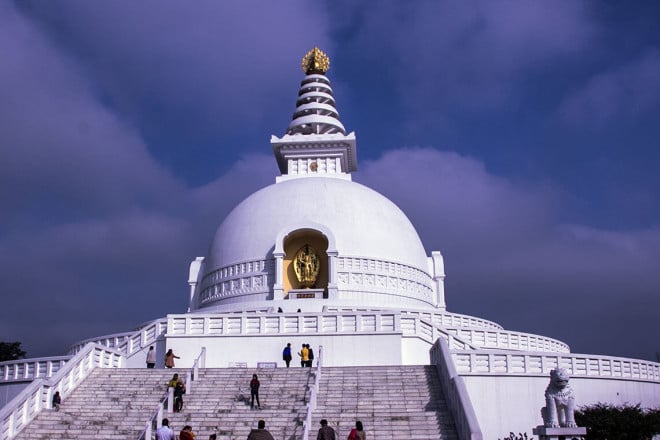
520, 137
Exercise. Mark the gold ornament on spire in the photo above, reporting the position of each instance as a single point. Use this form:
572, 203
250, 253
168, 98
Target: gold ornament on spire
315, 61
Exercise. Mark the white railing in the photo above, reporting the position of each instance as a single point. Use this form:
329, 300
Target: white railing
110, 341
193, 374
465, 338
442, 319
313, 396
456, 394
167, 401
416, 327
24, 370
282, 323
129, 342
509, 340
422, 325
446, 319
36, 396
531, 363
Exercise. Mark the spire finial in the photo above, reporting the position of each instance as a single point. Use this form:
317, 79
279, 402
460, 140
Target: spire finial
315, 61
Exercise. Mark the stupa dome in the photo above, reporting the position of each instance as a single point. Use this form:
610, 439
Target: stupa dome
362, 222
371, 254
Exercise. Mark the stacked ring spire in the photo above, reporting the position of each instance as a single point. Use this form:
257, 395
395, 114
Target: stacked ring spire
315, 107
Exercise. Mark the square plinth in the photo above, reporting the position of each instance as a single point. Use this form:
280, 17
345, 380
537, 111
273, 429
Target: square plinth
545, 433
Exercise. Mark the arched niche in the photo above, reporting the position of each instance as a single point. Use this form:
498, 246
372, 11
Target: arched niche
291, 245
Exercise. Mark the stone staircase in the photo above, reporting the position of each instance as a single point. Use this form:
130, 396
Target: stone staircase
392, 402
116, 403
220, 403
110, 404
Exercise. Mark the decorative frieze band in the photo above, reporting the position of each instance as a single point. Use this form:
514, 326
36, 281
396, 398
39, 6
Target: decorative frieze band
370, 274
237, 279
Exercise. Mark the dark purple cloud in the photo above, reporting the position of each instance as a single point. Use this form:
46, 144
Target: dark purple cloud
128, 131
60, 146
88, 277
509, 257
206, 70
466, 55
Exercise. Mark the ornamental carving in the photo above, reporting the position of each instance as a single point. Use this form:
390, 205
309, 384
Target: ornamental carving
306, 265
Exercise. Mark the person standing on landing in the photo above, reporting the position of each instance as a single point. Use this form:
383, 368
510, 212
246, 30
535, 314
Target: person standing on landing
169, 359
286, 354
151, 357
304, 355
254, 391
310, 356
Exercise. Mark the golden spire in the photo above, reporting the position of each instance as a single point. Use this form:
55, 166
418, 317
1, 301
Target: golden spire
315, 61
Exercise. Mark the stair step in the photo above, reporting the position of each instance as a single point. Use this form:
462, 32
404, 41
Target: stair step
393, 402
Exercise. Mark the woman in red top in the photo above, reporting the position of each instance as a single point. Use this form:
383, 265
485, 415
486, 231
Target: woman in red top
169, 358
357, 433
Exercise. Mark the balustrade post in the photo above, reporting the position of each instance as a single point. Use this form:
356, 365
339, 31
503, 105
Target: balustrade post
332, 275
11, 424
25, 413
278, 287
170, 399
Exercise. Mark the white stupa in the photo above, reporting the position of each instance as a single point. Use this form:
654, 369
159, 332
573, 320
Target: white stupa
316, 258
366, 251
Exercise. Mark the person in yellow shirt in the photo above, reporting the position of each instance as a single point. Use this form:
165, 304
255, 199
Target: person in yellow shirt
304, 355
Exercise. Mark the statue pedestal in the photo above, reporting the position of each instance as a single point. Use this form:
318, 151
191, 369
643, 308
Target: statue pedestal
560, 433
306, 293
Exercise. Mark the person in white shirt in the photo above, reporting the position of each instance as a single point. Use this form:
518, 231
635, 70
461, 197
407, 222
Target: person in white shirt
151, 357
165, 432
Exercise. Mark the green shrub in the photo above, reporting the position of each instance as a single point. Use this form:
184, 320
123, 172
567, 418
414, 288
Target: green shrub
625, 422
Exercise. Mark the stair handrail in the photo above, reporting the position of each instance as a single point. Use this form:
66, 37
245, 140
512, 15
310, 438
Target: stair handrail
314, 391
435, 332
132, 341
191, 375
455, 391
167, 401
23, 408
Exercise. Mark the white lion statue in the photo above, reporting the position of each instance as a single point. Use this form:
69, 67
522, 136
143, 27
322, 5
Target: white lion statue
559, 408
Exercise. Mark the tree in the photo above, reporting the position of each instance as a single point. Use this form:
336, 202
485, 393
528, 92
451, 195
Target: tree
10, 351
625, 422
